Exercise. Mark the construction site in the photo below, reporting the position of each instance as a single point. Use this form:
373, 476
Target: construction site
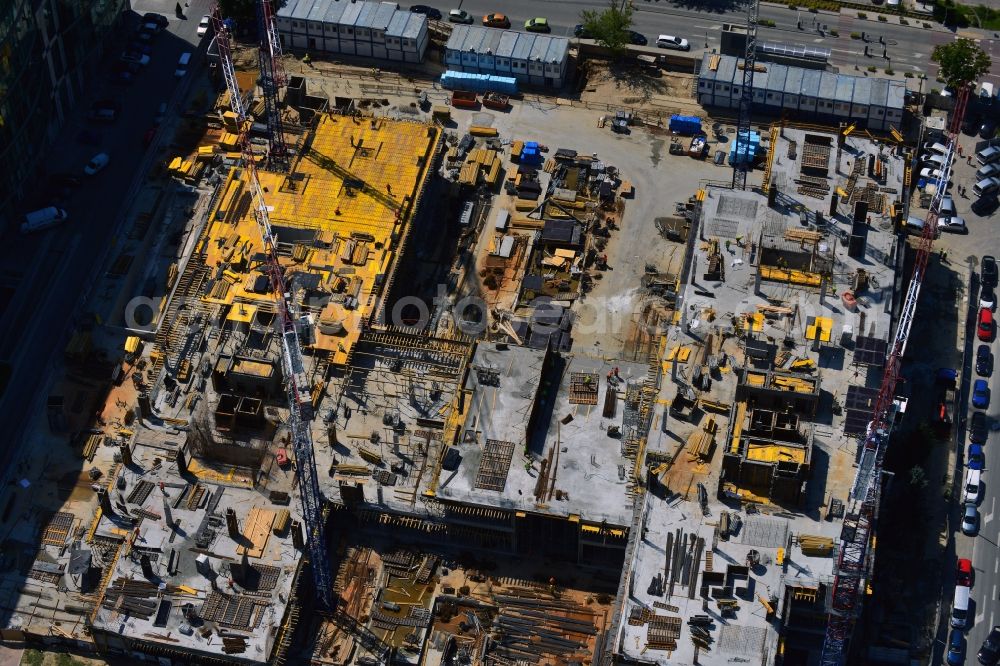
420, 384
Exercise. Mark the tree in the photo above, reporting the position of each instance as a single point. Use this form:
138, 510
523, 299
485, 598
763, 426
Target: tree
962, 62
611, 27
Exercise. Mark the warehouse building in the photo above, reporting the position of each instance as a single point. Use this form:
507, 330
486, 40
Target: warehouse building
539, 60
819, 95
371, 29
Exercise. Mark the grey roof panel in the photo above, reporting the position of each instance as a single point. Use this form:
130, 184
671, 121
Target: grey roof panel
351, 13
522, 49
334, 12
827, 85
456, 37
811, 79
539, 48
845, 88
862, 91
793, 82
415, 24
705, 72
318, 11
397, 25
490, 42
508, 40
558, 50
729, 72
366, 15
879, 92
288, 10
383, 15
897, 95
776, 75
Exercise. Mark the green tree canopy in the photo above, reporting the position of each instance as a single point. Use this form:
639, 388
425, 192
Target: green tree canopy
962, 62
611, 27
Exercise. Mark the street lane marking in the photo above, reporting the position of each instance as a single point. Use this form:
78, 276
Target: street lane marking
993, 505
996, 566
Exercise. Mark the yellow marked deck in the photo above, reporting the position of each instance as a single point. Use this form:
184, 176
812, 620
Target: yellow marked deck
355, 183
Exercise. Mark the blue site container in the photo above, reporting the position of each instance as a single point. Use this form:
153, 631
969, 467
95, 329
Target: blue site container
685, 124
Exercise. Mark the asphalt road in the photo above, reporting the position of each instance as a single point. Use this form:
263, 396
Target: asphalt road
907, 47
964, 253
54, 270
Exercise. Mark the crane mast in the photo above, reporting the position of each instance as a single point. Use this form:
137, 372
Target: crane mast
272, 77
741, 151
854, 561
296, 381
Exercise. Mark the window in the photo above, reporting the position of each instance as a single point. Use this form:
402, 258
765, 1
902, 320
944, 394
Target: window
407, 42
725, 87
295, 24
770, 95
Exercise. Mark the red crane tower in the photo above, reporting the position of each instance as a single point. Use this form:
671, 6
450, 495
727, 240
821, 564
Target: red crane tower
855, 561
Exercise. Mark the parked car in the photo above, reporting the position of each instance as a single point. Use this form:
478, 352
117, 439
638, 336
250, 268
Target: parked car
96, 163
931, 173
956, 648
537, 24
976, 458
459, 16
952, 223
986, 205
980, 394
161, 113
429, 12
986, 186
988, 155
672, 42
159, 20
989, 653
963, 572
580, 31
988, 298
984, 361
988, 272
978, 429
637, 38
104, 110
970, 520
988, 128
134, 57
496, 21
136, 46
988, 171
204, 25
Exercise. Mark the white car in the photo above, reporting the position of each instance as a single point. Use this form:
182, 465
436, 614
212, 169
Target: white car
97, 163
931, 173
671, 42
952, 223
987, 298
947, 206
204, 25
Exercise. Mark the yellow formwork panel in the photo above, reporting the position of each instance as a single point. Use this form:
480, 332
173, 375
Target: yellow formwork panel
768, 452
801, 278
797, 384
755, 378
821, 325
741, 411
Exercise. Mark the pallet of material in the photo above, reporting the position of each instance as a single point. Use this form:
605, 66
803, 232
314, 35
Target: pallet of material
815, 546
521, 221
477, 130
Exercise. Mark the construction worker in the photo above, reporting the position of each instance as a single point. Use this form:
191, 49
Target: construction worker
307, 59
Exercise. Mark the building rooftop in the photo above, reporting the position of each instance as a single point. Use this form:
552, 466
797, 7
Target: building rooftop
578, 432
344, 213
202, 591
508, 43
807, 82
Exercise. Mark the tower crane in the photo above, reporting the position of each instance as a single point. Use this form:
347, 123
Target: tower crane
272, 77
854, 563
741, 151
300, 410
